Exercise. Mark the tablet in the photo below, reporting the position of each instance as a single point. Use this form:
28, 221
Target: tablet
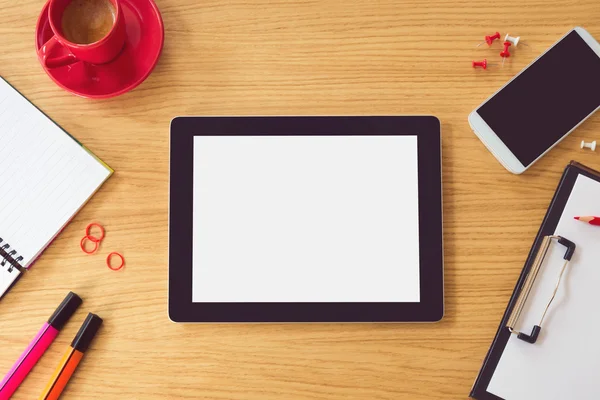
305, 219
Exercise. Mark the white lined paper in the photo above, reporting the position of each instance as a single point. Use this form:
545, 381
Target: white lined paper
45, 178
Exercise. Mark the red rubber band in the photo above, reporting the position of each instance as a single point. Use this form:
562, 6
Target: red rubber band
93, 238
114, 253
82, 246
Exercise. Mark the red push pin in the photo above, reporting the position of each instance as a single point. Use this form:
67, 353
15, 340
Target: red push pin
490, 39
482, 64
505, 53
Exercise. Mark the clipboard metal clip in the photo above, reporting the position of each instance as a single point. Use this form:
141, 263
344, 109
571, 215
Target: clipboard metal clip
528, 285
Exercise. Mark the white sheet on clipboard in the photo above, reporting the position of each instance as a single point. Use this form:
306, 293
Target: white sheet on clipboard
565, 361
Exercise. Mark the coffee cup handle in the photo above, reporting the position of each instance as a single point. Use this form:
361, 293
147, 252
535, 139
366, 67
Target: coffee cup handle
55, 62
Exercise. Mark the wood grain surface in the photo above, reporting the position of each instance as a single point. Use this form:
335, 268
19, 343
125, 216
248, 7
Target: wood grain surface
303, 57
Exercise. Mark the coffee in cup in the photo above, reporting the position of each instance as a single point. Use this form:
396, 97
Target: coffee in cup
92, 31
88, 21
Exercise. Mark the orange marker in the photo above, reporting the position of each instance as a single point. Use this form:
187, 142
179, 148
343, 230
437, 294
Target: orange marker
72, 357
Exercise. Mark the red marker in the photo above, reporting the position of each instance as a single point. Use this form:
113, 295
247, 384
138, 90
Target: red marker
589, 220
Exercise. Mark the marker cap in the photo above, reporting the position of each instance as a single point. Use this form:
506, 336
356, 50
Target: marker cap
65, 310
86, 333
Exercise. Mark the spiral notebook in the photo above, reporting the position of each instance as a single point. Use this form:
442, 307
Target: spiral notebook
47, 177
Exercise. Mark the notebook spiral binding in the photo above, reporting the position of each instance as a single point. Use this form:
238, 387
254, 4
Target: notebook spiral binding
9, 256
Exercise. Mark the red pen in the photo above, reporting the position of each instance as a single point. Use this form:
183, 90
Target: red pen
589, 220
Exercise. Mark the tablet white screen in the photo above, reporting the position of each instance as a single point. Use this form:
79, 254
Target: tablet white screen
305, 219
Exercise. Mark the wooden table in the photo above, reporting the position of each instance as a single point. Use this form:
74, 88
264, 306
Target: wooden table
243, 57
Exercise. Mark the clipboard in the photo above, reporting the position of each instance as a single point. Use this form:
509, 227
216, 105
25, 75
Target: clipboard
526, 342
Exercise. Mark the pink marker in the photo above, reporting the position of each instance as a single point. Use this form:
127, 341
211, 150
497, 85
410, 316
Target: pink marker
38, 345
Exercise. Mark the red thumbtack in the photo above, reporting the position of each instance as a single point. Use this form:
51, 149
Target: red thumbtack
482, 64
490, 39
505, 53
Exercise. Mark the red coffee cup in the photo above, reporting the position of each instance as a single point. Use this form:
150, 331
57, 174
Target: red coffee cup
100, 52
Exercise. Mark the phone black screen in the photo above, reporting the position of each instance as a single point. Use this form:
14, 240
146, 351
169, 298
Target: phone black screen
547, 100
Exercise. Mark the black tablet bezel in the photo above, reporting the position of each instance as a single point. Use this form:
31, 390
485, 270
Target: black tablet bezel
181, 306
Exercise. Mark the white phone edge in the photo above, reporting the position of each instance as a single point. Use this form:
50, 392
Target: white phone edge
494, 144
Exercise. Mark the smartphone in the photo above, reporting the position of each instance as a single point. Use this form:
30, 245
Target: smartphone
542, 104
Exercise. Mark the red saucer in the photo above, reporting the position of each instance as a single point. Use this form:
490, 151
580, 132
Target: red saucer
145, 37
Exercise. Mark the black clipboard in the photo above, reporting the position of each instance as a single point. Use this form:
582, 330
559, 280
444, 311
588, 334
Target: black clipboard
549, 224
